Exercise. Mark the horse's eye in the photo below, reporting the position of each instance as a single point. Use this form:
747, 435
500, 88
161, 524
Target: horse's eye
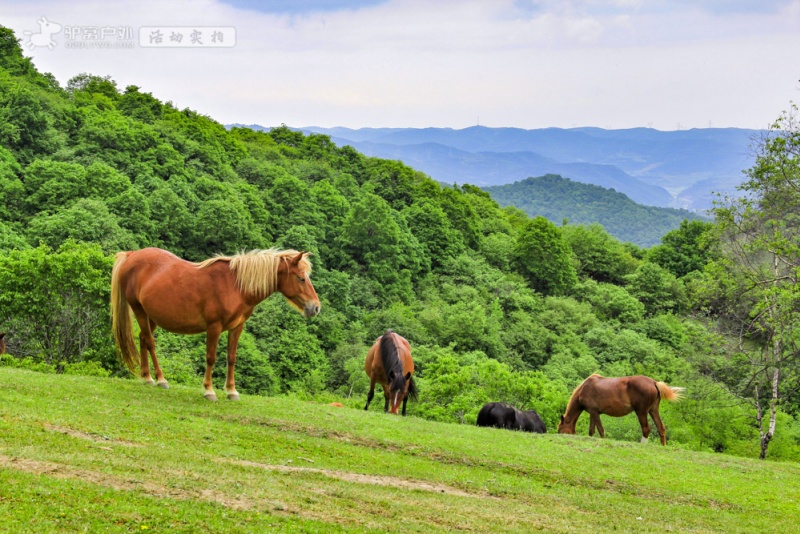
302, 280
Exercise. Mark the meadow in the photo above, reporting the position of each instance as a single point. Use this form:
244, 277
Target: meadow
112, 455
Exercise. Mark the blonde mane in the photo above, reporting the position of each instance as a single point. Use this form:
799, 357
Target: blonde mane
257, 270
577, 389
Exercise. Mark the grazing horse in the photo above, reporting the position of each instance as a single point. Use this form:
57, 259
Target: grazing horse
502, 415
214, 296
389, 364
618, 397
2, 342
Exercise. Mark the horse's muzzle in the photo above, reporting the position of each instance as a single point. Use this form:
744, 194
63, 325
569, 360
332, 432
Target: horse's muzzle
311, 309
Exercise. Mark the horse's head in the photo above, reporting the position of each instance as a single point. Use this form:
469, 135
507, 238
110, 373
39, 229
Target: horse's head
565, 427
295, 284
398, 385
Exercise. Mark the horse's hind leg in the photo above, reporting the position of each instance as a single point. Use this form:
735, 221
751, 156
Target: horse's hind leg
212, 338
662, 430
147, 344
230, 382
160, 380
645, 426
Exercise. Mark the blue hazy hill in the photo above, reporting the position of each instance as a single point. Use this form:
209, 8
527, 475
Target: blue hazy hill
669, 169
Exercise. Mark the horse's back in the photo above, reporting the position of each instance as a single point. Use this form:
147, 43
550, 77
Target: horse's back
618, 396
176, 294
498, 415
373, 364
533, 422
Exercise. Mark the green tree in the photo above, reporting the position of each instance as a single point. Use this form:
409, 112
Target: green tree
657, 289
758, 281
685, 249
430, 225
87, 221
56, 304
600, 256
543, 258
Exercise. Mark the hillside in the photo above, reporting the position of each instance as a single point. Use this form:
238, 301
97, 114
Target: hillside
96, 454
558, 198
495, 304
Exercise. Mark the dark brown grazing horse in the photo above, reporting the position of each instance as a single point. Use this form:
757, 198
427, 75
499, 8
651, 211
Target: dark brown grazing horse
2, 342
389, 364
618, 397
502, 415
214, 296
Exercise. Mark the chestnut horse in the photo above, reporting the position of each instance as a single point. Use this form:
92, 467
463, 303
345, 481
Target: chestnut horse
618, 397
389, 364
214, 296
2, 342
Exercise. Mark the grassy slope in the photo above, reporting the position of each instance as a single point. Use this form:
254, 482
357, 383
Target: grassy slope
112, 455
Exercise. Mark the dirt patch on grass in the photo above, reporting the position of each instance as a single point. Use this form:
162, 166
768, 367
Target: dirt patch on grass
97, 438
62, 471
375, 480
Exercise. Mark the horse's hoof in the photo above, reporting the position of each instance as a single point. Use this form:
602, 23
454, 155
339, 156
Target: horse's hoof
163, 384
210, 396
148, 382
234, 396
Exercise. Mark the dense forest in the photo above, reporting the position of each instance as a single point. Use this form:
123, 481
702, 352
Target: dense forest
497, 305
557, 198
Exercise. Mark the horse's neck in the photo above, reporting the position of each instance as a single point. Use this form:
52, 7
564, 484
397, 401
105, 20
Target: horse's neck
574, 408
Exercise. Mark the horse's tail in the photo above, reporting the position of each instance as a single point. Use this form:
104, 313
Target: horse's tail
121, 323
670, 393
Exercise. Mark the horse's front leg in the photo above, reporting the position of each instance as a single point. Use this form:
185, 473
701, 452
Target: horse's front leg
594, 418
385, 399
230, 382
591, 425
371, 393
212, 339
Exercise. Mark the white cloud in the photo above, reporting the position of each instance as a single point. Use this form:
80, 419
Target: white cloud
418, 63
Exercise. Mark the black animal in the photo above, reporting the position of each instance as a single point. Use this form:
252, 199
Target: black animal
502, 415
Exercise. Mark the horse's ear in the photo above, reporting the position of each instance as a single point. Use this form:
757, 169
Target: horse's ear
2, 335
391, 375
562, 418
297, 258
408, 375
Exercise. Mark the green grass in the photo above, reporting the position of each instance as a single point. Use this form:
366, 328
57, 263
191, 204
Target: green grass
109, 455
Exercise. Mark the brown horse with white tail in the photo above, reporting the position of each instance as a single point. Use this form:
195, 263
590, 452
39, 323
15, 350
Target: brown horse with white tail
214, 296
618, 397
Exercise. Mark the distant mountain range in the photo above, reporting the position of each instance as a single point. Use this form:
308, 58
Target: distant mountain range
678, 169
558, 198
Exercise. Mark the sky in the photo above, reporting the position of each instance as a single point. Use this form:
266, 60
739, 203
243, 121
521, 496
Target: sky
665, 64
